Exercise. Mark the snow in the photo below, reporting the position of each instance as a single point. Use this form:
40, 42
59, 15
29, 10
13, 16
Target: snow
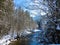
26, 32
43, 13
58, 27
33, 5
32, 16
36, 30
5, 40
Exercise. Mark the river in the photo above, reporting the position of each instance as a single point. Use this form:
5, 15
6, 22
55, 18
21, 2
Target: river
36, 38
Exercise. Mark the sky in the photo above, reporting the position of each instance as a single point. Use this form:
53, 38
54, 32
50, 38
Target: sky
35, 7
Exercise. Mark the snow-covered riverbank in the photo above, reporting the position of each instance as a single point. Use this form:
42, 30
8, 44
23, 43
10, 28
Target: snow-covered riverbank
5, 40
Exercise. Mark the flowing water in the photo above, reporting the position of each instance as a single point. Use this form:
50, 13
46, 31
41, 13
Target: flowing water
32, 39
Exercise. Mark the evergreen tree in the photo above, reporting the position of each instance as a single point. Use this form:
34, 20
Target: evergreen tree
53, 17
6, 11
24, 21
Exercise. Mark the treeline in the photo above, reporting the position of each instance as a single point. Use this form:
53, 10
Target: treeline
50, 22
14, 20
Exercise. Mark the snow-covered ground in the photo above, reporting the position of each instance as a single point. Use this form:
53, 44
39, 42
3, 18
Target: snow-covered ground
5, 40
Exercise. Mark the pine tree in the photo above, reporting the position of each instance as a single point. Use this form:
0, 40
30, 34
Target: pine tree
24, 21
53, 21
6, 11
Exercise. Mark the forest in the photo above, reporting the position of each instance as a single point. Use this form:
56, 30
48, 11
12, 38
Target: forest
22, 27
